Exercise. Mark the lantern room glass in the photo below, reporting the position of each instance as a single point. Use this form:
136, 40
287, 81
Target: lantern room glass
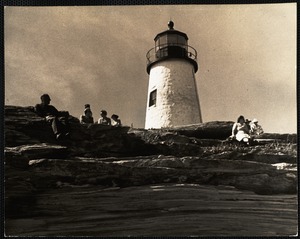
170, 40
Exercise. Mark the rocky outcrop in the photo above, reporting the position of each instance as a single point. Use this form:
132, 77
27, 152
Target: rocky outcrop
124, 172
23, 126
157, 210
116, 177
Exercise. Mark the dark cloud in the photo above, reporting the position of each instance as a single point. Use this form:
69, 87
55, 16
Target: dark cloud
96, 55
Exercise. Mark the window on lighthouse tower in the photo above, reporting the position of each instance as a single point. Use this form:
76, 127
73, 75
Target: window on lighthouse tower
152, 98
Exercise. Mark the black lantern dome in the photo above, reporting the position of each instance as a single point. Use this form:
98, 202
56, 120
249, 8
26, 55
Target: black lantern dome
171, 44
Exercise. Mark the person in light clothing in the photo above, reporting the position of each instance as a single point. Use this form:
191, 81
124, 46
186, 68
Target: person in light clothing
116, 122
255, 128
240, 131
104, 120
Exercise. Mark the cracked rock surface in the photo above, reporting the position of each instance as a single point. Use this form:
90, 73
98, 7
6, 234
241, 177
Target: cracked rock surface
171, 182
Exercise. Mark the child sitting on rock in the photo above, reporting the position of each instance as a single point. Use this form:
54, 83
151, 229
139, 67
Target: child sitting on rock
116, 122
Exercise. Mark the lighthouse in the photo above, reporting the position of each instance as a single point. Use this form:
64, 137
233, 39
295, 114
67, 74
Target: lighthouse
172, 93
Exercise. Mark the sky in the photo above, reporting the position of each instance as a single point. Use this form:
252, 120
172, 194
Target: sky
97, 55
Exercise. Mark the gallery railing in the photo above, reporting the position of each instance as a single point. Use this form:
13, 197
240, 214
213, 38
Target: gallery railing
166, 51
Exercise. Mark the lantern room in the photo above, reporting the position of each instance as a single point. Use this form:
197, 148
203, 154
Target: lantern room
171, 44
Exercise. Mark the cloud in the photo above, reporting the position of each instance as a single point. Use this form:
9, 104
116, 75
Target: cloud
96, 55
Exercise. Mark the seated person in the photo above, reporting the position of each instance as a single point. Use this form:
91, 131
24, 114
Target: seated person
255, 128
104, 120
87, 117
240, 131
57, 119
116, 122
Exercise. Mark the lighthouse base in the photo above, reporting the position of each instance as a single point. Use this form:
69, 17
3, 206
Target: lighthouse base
172, 95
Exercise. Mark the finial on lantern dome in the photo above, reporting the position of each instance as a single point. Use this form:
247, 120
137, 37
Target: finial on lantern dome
171, 25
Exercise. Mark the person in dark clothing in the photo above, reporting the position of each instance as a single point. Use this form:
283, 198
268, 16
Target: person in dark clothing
57, 119
87, 117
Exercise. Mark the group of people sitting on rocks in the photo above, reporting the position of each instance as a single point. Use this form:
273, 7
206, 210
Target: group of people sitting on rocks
59, 120
245, 130
87, 118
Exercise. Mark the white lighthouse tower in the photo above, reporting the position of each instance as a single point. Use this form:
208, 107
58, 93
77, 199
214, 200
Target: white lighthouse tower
172, 92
